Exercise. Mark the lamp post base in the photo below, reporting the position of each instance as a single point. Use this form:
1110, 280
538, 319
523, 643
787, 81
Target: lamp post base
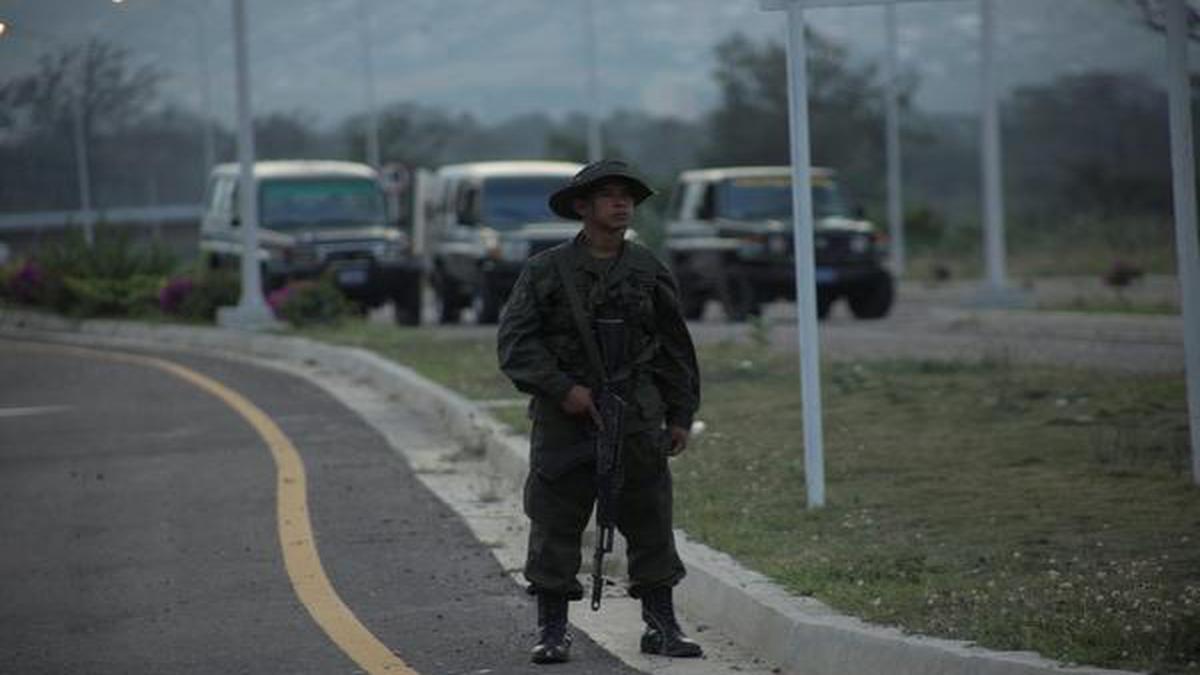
1003, 297
247, 317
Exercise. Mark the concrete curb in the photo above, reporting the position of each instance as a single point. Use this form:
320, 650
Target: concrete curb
803, 635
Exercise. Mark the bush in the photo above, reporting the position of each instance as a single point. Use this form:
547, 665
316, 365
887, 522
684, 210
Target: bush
113, 277
305, 303
136, 295
196, 297
24, 282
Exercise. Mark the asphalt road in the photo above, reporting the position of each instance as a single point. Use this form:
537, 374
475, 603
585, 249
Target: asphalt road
140, 532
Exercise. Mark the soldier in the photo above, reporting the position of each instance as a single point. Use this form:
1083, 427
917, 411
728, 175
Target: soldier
542, 351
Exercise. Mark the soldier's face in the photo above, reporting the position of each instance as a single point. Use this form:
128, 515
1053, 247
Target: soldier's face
610, 205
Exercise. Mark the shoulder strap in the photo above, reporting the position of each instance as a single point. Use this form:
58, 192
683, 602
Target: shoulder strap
585, 334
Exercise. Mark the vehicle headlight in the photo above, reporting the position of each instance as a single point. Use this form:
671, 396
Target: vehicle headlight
514, 250
752, 246
392, 250
860, 243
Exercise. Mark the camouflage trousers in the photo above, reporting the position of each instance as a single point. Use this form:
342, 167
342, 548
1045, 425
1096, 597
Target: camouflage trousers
559, 511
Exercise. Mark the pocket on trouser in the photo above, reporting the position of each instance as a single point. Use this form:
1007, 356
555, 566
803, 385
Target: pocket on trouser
644, 456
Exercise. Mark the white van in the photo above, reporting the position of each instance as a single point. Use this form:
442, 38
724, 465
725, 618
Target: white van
485, 220
317, 218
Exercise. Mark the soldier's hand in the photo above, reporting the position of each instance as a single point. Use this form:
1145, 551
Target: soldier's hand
579, 401
679, 440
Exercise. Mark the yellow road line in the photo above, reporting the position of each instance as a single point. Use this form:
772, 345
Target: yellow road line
296, 538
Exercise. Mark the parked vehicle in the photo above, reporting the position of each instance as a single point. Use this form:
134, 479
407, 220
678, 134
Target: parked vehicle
729, 238
317, 218
485, 220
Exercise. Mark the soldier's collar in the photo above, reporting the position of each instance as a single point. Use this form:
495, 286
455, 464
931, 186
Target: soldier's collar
583, 259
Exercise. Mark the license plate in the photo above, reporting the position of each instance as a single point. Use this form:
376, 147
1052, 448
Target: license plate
826, 275
353, 276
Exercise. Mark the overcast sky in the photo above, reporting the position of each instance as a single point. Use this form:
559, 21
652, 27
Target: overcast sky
497, 58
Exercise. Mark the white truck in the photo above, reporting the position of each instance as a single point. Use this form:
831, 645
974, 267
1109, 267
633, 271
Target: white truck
317, 218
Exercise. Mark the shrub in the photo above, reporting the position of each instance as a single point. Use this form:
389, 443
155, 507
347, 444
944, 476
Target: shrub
25, 283
196, 297
303, 303
136, 295
174, 293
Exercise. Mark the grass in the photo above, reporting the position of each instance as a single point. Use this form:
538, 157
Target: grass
1112, 304
1020, 508
1015, 507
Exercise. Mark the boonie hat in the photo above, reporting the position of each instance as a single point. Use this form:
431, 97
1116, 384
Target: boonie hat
562, 201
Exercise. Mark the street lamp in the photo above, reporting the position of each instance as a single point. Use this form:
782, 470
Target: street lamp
369, 75
251, 312
594, 143
82, 172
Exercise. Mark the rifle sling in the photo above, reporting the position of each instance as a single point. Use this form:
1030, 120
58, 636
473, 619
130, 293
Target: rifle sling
581, 325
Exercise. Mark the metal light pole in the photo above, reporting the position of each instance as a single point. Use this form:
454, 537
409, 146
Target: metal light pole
210, 153
594, 143
1187, 249
369, 75
895, 200
251, 312
993, 199
83, 174
802, 237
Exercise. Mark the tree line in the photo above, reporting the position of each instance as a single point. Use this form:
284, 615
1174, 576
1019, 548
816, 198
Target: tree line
1089, 143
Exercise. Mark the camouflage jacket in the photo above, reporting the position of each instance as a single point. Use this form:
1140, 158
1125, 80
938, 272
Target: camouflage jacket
541, 352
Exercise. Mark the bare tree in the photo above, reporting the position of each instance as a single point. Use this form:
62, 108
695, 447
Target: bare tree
1153, 15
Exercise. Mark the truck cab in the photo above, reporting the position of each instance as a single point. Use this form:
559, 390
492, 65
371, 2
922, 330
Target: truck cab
729, 239
485, 220
317, 218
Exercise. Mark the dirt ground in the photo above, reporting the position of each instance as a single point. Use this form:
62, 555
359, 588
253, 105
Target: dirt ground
957, 321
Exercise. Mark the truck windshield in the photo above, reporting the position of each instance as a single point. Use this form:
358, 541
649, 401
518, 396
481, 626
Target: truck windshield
511, 202
771, 197
288, 204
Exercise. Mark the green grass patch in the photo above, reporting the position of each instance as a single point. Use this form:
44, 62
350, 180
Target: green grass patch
1017, 507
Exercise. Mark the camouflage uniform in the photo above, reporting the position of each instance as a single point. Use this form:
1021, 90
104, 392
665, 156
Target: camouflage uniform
540, 350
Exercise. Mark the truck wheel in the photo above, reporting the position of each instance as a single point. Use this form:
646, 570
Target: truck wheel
824, 302
448, 309
406, 304
692, 305
873, 300
448, 306
486, 304
740, 301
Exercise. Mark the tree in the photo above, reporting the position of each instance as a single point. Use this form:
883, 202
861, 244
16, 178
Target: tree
1153, 15
95, 79
750, 124
410, 133
290, 135
1093, 142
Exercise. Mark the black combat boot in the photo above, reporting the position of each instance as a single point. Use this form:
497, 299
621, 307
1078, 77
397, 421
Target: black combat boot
554, 641
663, 634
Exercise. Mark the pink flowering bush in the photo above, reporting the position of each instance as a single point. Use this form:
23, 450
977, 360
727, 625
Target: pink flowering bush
174, 293
26, 283
307, 302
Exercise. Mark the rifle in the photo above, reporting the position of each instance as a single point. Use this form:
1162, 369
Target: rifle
610, 334
605, 347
